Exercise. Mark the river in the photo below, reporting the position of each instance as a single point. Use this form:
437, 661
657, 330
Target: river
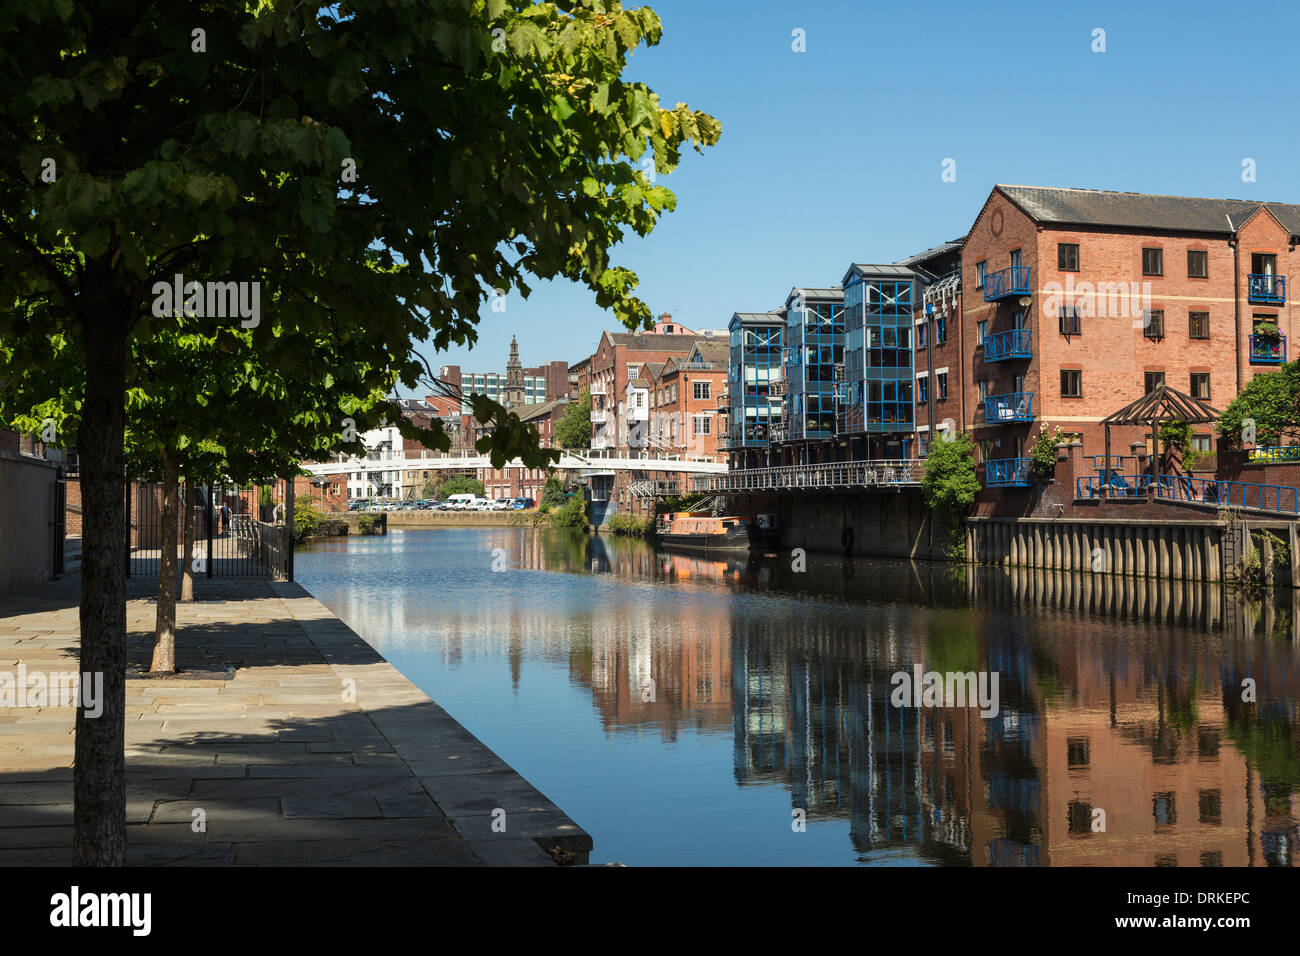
687, 711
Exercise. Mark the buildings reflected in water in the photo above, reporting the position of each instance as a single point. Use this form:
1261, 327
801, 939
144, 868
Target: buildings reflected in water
1121, 737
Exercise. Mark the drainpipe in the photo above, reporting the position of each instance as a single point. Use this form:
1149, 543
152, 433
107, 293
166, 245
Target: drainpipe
1236, 298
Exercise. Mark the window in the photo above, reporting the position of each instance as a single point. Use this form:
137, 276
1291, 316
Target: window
1198, 264
922, 335
1071, 383
1198, 325
1076, 752
981, 330
1079, 815
1201, 385
1069, 318
1201, 443
672, 394
922, 390
633, 370
1153, 262
1210, 805
984, 390
1153, 323
981, 273
640, 399
1067, 256
940, 329
941, 386
700, 390
1015, 261
703, 426
1151, 381
1163, 809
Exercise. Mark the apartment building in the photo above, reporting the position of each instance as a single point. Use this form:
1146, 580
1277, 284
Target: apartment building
1083, 300
813, 365
755, 406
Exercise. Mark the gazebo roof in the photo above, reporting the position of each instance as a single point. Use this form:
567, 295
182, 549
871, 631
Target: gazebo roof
1164, 404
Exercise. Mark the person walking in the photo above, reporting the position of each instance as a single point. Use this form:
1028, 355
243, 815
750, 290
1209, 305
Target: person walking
225, 518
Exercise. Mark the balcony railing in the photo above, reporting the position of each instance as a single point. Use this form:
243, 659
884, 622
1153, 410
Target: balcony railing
831, 475
777, 431
1013, 407
1210, 492
1009, 473
1268, 289
1005, 283
1267, 349
1001, 346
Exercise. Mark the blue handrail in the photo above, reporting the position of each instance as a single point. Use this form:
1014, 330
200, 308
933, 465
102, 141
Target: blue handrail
1267, 349
1013, 407
1266, 288
1008, 473
1013, 280
1012, 344
1256, 496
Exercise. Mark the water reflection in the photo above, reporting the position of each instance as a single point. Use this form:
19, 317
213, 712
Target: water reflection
1117, 695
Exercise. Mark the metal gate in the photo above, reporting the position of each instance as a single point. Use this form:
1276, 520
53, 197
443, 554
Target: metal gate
237, 531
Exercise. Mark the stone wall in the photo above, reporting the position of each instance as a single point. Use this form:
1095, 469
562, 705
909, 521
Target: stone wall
26, 505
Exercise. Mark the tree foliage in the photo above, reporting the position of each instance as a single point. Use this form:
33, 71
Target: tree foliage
458, 485
949, 484
1271, 401
573, 430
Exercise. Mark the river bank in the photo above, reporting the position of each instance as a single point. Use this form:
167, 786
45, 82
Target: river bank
286, 739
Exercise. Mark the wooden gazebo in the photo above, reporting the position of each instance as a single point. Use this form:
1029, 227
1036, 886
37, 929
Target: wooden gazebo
1157, 407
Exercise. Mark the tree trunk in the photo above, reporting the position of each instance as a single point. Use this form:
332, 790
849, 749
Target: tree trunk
99, 783
187, 539
164, 634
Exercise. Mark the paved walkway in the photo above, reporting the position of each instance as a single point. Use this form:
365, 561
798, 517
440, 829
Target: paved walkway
264, 738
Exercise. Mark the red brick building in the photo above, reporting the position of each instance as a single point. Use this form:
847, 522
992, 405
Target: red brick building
1079, 301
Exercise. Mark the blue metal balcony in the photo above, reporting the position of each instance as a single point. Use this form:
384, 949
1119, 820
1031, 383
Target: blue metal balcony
1013, 407
1005, 283
1007, 345
1009, 473
1268, 289
1267, 349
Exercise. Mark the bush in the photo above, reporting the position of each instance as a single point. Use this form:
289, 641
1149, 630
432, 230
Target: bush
949, 484
459, 485
331, 527
306, 519
366, 524
1042, 453
572, 515
553, 493
630, 526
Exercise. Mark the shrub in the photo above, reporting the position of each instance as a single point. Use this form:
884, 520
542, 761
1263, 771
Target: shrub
305, 519
366, 524
629, 526
572, 515
1042, 453
553, 493
459, 485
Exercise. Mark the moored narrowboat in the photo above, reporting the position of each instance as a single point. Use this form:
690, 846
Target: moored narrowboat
702, 532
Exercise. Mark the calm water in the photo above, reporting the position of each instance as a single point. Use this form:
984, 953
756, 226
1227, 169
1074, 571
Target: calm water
683, 710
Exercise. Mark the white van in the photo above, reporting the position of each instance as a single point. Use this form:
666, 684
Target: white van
461, 502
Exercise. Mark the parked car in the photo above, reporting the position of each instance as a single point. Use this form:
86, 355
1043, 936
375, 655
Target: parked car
460, 502
501, 504
482, 504
356, 505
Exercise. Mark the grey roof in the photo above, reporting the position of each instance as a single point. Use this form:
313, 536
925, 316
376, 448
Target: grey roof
878, 271
714, 350
834, 293
651, 342
1101, 207
774, 317
934, 252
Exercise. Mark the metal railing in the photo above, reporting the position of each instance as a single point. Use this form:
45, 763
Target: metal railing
1009, 473
1266, 288
1012, 344
1211, 492
1006, 282
830, 475
1267, 349
1012, 407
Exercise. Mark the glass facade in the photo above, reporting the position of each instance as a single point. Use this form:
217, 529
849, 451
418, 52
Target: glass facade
878, 378
755, 364
814, 346
492, 384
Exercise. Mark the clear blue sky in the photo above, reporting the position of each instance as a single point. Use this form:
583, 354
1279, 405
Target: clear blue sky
834, 155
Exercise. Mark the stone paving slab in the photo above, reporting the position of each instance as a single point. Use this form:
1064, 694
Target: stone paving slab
258, 753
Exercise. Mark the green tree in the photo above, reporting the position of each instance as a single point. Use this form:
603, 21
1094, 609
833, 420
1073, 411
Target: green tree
949, 484
288, 147
573, 430
553, 494
1271, 400
458, 485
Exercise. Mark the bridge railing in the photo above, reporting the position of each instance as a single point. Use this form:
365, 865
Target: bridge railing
828, 475
1248, 495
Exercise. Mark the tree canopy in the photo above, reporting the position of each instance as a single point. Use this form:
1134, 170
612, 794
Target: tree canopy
573, 430
1269, 406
